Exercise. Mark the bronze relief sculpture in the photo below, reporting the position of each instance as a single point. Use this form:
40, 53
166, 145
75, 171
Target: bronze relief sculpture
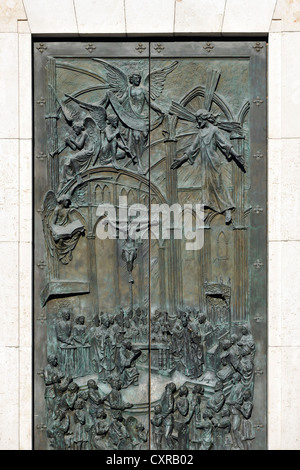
147, 344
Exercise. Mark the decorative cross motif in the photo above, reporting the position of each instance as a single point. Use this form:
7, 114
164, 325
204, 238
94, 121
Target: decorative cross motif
41, 427
41, 264
41, 373
257, 209
258, 264
159, 48
41, 156
208, 46
258, 318
41, 101
90, 47
258, 155
41, 47
258, 46
258, 101
140, 47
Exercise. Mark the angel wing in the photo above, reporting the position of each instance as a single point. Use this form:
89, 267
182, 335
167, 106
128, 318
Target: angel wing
155, 80
97, 112
186, 115
90, 126
49, 204
70, 112
230, 126
116, 78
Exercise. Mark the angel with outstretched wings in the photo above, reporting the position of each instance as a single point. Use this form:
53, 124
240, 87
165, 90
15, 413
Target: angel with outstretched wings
62, 228
131, 97
113, 146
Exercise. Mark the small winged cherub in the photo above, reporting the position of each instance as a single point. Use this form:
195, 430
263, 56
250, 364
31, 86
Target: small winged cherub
62, 228
130, 98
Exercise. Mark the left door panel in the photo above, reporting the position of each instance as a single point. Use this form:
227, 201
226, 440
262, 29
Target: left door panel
91, 276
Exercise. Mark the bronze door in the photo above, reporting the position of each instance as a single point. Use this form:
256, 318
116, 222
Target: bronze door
150, 281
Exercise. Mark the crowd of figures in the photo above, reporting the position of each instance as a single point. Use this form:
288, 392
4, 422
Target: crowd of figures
186, 336
105, 347
192, 418
201, 414
111, 344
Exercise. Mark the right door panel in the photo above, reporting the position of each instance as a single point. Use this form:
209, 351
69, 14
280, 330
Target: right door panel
208, 264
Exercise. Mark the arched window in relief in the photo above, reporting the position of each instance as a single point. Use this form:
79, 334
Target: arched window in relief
222, 246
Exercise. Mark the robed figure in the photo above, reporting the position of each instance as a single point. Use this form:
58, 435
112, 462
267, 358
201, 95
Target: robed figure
208, 140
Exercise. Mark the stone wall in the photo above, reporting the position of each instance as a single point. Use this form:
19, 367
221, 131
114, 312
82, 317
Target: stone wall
126, 18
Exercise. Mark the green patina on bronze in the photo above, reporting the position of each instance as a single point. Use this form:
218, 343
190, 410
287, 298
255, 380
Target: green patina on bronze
142, 343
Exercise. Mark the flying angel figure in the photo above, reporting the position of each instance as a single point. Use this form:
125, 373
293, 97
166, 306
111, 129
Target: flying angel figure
208, 138
112, 145
131, 97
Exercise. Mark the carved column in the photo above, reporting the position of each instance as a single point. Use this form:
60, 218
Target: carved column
91, 237
239, 293
206, 256
116, 259
141, 273
51, 116
52, 142
201, 279
174, 264
162, 274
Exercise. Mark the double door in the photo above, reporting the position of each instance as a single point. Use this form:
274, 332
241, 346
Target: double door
150, 314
